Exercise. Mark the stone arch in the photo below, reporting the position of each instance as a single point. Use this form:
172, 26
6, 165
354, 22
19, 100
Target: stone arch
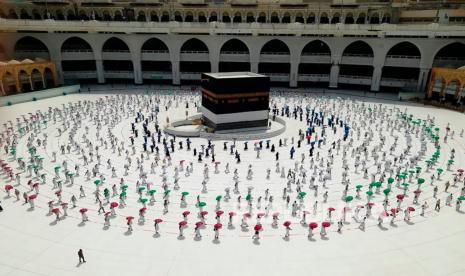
225, 18
275, 46
141, 16
30, 47
115, 44
237, 17
235, 45
404, 48
324, 19
194, 45
274, 18
349, 18
155, 44
74, 44
358, 48
336, 18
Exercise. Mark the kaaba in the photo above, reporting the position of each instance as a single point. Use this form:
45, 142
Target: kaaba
235, 100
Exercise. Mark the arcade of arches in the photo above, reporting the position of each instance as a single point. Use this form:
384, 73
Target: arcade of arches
27, 75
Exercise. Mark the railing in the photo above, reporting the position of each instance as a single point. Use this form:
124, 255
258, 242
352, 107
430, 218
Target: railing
76, 51
275, 53
9, 25
356, 55
155, 51
31, 51
194, 52
115, 51
233, 53
355, 77
403, 56
315, 54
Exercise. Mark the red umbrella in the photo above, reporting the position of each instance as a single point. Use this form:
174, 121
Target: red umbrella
129, 218
83, 210
417, 191
313, 225
287, 223
231, 214
142, 210
258, 227
113, 204
64, 204
371, 204
219, 213
260, 215
330, 209
326, 224
400, 197
107, 214
185, 213
32, 197
247, 215
275, 214
360, 206
384, 214
158, 220
218, 226
460, 170
58, 193
182, 223
199, 223
55, 210
203, 213
395, 210
8, 187
411, 209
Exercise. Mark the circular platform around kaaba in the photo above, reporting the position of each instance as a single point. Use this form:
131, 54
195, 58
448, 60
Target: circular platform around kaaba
189, 128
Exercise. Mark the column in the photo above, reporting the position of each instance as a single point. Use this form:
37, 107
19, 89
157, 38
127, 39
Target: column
333, 76
100, 72
137, 71
30, 82
175, 72
59, 71
293, 75
254, 66
214, 64
376, 78
2, 89
422, 79
42, 75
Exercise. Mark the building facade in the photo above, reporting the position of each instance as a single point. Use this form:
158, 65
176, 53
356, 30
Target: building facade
373, 46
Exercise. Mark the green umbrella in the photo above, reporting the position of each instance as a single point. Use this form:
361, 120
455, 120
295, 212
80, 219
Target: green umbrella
405, 184
359, 187
57, 168
421, 180
152, 192
391, 180
450, 162
167, 192
143, 200
440, 170
386, 191
184, 193
122, 194
71, 174
141, 188
218, 198
369, 193
248, 197
97, 182
202, 204
349, 198
302, 194
461, 198
124, 187
376, 184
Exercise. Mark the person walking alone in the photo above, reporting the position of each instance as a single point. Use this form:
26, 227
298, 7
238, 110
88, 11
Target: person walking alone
81, 256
